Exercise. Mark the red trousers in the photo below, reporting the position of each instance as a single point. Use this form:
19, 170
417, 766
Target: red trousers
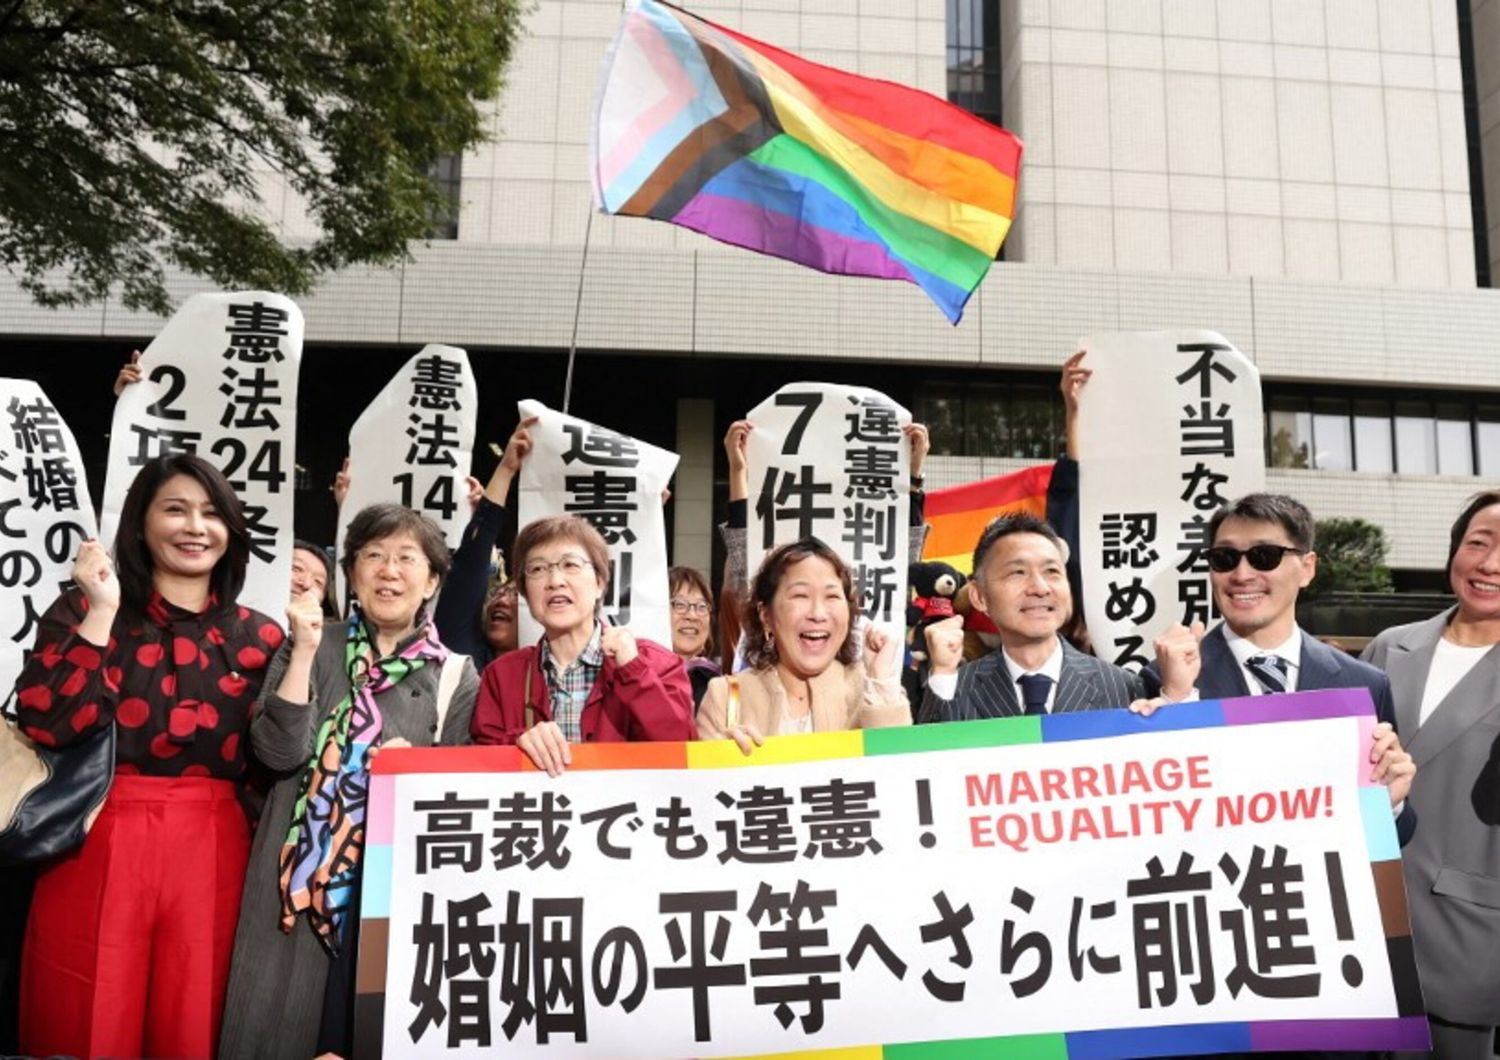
128, 943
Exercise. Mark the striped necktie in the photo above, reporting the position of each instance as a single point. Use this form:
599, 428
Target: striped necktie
1270, 671
1034, 689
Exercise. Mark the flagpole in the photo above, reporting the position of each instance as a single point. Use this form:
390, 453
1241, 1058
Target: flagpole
577, 313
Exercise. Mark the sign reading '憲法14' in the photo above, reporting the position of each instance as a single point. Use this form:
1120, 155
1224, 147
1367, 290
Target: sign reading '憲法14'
1218, 877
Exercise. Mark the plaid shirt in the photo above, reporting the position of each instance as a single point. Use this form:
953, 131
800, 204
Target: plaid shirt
569, 690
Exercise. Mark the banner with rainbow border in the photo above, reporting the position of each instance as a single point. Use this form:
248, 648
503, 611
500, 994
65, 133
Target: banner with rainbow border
1223, 876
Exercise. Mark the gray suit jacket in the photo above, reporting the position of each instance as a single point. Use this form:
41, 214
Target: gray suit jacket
987, 690
1453, 862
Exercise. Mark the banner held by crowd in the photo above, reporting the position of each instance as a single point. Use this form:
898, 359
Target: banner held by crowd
1231, 877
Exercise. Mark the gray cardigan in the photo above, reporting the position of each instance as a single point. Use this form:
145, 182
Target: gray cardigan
275, 998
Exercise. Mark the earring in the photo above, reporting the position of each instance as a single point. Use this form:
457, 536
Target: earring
771, 643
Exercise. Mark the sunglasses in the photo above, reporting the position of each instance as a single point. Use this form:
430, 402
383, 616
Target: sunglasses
1222, 559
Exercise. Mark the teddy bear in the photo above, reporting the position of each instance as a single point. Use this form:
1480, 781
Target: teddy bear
936, 588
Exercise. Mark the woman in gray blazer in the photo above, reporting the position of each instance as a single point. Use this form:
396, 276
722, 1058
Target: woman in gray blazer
1445, 680
330, 701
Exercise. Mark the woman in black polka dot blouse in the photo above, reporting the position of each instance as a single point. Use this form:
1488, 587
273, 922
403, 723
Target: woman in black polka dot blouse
129, 936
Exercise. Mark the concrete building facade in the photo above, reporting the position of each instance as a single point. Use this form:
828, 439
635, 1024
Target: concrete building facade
1296, 174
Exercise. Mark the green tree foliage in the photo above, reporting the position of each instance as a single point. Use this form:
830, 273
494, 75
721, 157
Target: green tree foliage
131, 132
1351, 558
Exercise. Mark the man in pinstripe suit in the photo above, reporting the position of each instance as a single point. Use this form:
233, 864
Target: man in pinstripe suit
1021, 582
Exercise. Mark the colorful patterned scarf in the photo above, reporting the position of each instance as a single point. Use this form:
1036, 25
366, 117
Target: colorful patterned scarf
320, 860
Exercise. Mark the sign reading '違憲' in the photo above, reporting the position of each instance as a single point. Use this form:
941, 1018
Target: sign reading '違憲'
615, 482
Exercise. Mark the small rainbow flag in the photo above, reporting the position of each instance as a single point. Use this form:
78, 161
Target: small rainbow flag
958, 514
706, 128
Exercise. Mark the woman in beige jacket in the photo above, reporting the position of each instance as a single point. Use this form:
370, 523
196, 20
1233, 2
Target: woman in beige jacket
801, 646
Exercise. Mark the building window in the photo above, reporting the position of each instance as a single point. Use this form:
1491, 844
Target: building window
1016, 420
447, 175
942, 409
1446, 434
974, 57
1372, 435
1288, 431
1487, 439
1455, 439
1416, 438
1333, 449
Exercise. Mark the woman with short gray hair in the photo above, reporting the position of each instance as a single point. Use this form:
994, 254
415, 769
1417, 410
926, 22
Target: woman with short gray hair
330, 703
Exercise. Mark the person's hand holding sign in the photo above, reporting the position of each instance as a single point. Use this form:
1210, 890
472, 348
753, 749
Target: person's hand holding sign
1393, 765
130, 373
735, 441
547, 747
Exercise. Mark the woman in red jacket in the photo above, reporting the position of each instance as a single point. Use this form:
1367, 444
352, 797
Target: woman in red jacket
584, 682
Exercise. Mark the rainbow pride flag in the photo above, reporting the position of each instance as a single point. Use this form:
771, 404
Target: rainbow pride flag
958, 514
706, 128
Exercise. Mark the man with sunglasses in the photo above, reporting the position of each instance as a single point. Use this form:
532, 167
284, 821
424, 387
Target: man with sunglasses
1260, 559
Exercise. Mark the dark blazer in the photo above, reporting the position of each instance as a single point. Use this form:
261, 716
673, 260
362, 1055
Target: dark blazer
1453, 865
987, 690
1322, 667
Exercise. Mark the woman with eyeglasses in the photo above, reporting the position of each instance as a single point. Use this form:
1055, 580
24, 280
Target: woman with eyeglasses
583, 682
800, 642
692, 628
332, 699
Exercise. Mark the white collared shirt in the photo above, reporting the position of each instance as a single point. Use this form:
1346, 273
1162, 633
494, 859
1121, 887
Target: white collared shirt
945, 686
1244, 650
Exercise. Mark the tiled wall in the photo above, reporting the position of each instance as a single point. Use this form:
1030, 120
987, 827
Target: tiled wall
1311, 139
713, 303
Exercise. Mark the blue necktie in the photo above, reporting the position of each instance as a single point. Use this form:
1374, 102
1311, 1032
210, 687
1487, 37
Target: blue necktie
1034, 689
1270, 671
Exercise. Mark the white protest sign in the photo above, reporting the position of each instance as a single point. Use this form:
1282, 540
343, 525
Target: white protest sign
615, 482
414, 444
45, 514
220, 380
1212, 880
1169, 429
831, 462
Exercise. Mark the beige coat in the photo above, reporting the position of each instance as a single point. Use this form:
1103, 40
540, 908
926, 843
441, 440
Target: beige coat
842, 698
